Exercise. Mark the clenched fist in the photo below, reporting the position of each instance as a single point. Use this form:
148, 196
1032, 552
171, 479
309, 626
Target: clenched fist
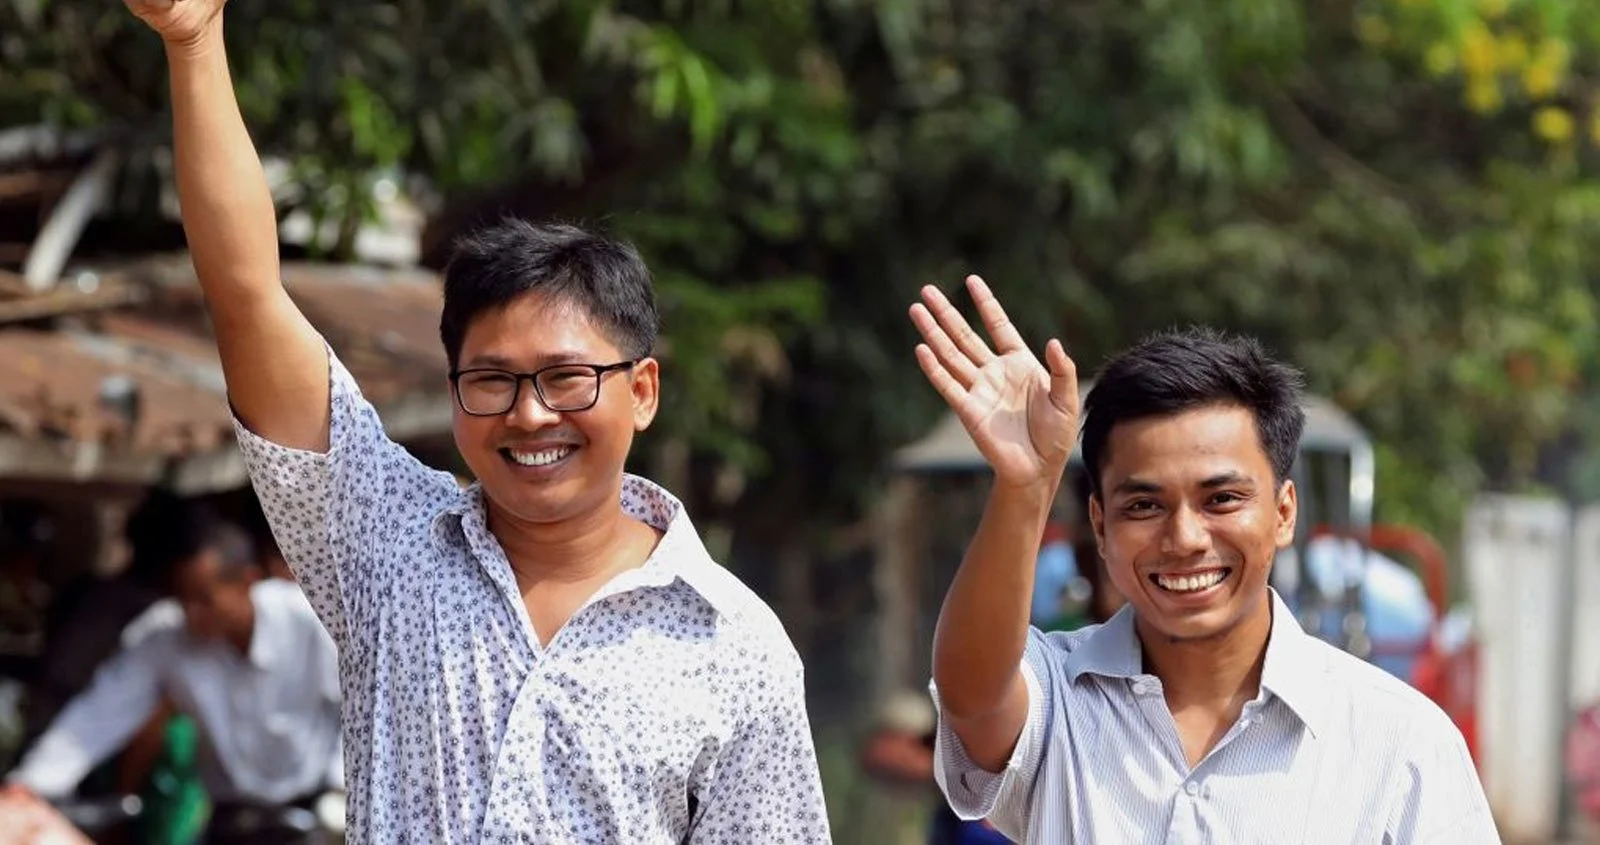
178, 21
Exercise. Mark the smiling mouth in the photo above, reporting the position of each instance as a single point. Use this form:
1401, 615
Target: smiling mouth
538, 457
1192, 582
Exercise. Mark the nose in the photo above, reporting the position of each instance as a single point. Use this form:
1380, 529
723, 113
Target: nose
528, 413
1186, 534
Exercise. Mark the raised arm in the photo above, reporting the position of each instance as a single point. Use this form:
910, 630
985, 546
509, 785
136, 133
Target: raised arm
275, 363
335, 489
1023, 417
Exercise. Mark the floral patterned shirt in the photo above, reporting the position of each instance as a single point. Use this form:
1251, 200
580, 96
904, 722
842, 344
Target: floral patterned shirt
669, 709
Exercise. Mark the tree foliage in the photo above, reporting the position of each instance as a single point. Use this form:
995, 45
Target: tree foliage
1395, 193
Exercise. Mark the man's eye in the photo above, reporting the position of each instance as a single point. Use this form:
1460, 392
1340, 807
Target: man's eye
491, 383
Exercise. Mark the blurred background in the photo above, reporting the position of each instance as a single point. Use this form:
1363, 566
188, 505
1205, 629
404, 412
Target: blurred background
1399, 196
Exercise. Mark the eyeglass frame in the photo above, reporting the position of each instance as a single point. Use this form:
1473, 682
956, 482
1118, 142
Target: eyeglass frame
599, 372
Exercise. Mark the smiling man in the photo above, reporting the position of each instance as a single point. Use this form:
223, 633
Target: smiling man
546, 656
1200, 712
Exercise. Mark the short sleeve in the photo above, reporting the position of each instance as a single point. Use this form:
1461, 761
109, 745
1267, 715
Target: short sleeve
1004, 797
332, 513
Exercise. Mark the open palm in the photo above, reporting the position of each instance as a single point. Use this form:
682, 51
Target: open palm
1022, 416
177, 21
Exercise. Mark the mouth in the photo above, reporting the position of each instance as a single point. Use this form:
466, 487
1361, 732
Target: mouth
539, 458
1191, 583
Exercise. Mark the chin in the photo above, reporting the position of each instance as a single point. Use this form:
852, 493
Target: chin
1214, 620
544, 502
1204, 626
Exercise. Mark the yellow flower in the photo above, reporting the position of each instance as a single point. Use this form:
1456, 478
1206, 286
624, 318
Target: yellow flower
1477, 49
1512, 52
1555, 51
1440, 58
1541, 78
1553, 124
1483, 94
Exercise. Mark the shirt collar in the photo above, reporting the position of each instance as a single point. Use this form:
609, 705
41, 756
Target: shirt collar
1294, 671
679, 556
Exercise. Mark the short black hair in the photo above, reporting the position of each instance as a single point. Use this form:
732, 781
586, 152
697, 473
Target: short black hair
162, 531
494, 266
166, 531
1193, 368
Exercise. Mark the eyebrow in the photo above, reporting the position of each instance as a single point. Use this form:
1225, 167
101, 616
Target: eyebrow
500, 362
1135, 485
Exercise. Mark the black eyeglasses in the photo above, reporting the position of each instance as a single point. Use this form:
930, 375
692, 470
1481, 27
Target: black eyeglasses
562, 388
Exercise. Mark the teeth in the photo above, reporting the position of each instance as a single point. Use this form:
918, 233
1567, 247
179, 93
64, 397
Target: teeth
541, 457
1191, 583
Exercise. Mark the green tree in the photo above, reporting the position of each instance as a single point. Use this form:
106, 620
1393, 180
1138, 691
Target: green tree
1395, 193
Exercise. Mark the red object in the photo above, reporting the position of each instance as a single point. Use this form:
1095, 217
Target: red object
1583, 761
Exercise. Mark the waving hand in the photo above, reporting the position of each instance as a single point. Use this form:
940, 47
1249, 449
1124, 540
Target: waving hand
1022, 416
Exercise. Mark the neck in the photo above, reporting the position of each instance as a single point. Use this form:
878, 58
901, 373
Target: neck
571, 550
246, 633
1219, 672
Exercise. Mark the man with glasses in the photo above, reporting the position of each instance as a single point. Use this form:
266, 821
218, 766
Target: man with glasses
548, 655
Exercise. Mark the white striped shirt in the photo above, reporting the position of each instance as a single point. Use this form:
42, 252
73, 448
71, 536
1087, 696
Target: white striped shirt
1331, 750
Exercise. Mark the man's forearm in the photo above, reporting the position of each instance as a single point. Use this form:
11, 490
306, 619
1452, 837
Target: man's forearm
983, 626
232, 232
54, 767
228, 215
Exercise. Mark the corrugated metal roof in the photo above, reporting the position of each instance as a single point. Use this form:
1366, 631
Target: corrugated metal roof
383, 324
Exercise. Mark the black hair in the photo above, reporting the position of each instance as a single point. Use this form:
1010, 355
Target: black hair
1181, 370
492, 267
162, 531
166, 531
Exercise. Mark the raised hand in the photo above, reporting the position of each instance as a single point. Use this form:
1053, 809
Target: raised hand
1023, 417
178, 21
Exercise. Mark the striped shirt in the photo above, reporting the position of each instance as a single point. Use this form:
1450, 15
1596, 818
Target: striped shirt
1331, 750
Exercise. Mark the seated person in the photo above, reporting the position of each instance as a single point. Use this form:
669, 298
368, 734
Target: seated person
244, 657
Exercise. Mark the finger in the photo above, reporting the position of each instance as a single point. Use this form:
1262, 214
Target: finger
1005, 335
954, 394
954, 360
956, 326
1063, 377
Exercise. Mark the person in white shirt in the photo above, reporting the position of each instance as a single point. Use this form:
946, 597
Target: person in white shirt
242, 655
1200, 712
551, 654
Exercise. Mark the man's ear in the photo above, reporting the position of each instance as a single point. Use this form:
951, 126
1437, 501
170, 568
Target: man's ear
646, 387
1288, 511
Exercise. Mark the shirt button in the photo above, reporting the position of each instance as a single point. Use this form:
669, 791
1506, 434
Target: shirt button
1191, 788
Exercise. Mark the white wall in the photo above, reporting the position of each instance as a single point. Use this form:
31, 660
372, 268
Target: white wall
1586, 615
1515, 551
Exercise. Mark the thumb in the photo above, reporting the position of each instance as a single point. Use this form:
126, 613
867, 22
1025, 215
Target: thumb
1063, 377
